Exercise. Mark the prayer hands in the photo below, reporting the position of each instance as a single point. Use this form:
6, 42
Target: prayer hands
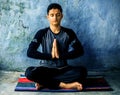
55, 52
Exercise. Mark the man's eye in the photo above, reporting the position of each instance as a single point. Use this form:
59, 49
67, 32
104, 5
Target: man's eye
51, 15
58, 14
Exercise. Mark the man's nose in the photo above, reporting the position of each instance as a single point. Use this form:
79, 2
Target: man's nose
55, 17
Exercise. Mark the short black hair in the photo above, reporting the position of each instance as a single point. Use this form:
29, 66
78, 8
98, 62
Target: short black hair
54, 6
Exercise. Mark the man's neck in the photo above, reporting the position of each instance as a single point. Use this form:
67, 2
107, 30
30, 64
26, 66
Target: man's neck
55, 29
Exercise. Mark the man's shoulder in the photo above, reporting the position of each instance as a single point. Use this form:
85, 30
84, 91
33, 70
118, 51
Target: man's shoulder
41, 32
66, 29
69, 31
43, 29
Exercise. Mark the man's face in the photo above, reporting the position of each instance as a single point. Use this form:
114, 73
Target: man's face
54, 16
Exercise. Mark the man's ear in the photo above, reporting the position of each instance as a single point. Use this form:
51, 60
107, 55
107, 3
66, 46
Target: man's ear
62, 15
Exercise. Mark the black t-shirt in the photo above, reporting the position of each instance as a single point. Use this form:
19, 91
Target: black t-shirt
68, 45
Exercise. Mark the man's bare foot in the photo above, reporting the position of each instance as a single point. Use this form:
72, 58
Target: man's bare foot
38, 86
74, 85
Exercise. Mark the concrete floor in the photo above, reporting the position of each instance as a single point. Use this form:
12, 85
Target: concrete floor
7, 85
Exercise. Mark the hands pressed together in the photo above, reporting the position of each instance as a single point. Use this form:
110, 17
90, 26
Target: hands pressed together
55, 52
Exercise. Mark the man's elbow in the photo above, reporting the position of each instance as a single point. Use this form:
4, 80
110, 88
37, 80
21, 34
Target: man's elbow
80, 52
29, 53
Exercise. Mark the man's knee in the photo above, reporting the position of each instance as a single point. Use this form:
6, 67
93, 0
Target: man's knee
82, 70
29, 73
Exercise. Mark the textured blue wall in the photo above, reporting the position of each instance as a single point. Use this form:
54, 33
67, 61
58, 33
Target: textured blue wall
96, 23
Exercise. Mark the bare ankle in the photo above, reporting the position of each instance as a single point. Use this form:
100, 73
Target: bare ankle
74, 85
62, 85
38, 86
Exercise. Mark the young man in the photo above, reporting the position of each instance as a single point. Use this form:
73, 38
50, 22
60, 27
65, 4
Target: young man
58, 44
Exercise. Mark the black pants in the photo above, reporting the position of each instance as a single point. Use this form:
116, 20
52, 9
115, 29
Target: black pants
51, 77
